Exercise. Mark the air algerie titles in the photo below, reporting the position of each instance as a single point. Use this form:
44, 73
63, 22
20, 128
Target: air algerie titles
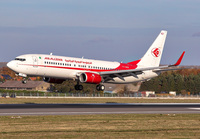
71, 61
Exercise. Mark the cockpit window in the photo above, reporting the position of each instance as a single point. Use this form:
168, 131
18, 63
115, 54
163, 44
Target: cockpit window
20, 59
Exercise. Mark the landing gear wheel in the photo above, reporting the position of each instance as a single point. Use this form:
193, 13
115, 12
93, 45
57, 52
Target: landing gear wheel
78, 87
24, 81
100, 87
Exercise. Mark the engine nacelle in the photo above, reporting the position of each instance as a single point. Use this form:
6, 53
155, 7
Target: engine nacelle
89, 77
53, 80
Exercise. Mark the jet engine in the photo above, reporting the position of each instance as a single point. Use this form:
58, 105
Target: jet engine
53, 80
89, 77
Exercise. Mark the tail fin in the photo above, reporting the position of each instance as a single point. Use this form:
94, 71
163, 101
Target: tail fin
153, 55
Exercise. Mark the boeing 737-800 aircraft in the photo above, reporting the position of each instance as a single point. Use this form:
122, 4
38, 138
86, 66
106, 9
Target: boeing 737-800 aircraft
56, 69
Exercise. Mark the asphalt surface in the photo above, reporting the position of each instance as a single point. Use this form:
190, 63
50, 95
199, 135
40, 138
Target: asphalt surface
108, 108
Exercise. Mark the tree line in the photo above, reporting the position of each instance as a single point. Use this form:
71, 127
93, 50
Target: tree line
182, 81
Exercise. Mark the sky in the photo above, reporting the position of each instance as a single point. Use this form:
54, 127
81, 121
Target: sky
112, 30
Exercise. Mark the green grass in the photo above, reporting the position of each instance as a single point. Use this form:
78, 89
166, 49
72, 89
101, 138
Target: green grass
93, 100
101, 126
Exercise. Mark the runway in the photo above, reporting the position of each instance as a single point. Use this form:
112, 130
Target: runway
108, 108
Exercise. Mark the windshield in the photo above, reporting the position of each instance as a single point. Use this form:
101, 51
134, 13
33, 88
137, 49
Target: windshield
20, 59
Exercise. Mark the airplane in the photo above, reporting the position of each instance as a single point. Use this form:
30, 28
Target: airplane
57, 69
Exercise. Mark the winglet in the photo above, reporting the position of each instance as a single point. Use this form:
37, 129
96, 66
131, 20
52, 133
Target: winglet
179, 60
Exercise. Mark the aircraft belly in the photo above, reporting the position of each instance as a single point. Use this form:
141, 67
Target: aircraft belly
60, 73
52, 72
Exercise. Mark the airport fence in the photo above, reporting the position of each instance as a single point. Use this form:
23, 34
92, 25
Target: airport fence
13, 95
45, 95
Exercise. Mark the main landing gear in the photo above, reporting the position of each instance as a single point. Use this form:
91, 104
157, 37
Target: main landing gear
99, 87
78, 86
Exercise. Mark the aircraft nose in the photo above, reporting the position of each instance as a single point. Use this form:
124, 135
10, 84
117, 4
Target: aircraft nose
10, 64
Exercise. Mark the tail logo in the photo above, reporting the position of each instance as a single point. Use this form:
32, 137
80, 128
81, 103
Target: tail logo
155, 52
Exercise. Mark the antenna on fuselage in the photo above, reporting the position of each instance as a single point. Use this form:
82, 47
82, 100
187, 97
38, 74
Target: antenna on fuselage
51, 53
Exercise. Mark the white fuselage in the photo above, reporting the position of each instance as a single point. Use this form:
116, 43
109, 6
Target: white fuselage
69, 67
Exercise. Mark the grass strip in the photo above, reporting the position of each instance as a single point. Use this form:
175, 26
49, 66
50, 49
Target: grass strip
102, 126
93, 100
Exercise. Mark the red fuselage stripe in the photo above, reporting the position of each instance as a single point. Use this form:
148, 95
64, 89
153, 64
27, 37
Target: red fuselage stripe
121, 67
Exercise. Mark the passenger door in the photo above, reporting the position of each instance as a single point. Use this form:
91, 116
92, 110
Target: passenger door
35, 61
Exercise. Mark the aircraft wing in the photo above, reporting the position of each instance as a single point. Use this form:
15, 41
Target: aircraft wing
109, 75
132, 70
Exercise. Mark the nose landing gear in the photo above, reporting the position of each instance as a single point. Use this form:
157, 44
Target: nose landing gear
24, 81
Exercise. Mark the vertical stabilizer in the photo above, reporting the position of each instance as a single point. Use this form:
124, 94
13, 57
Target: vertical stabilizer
153, 55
